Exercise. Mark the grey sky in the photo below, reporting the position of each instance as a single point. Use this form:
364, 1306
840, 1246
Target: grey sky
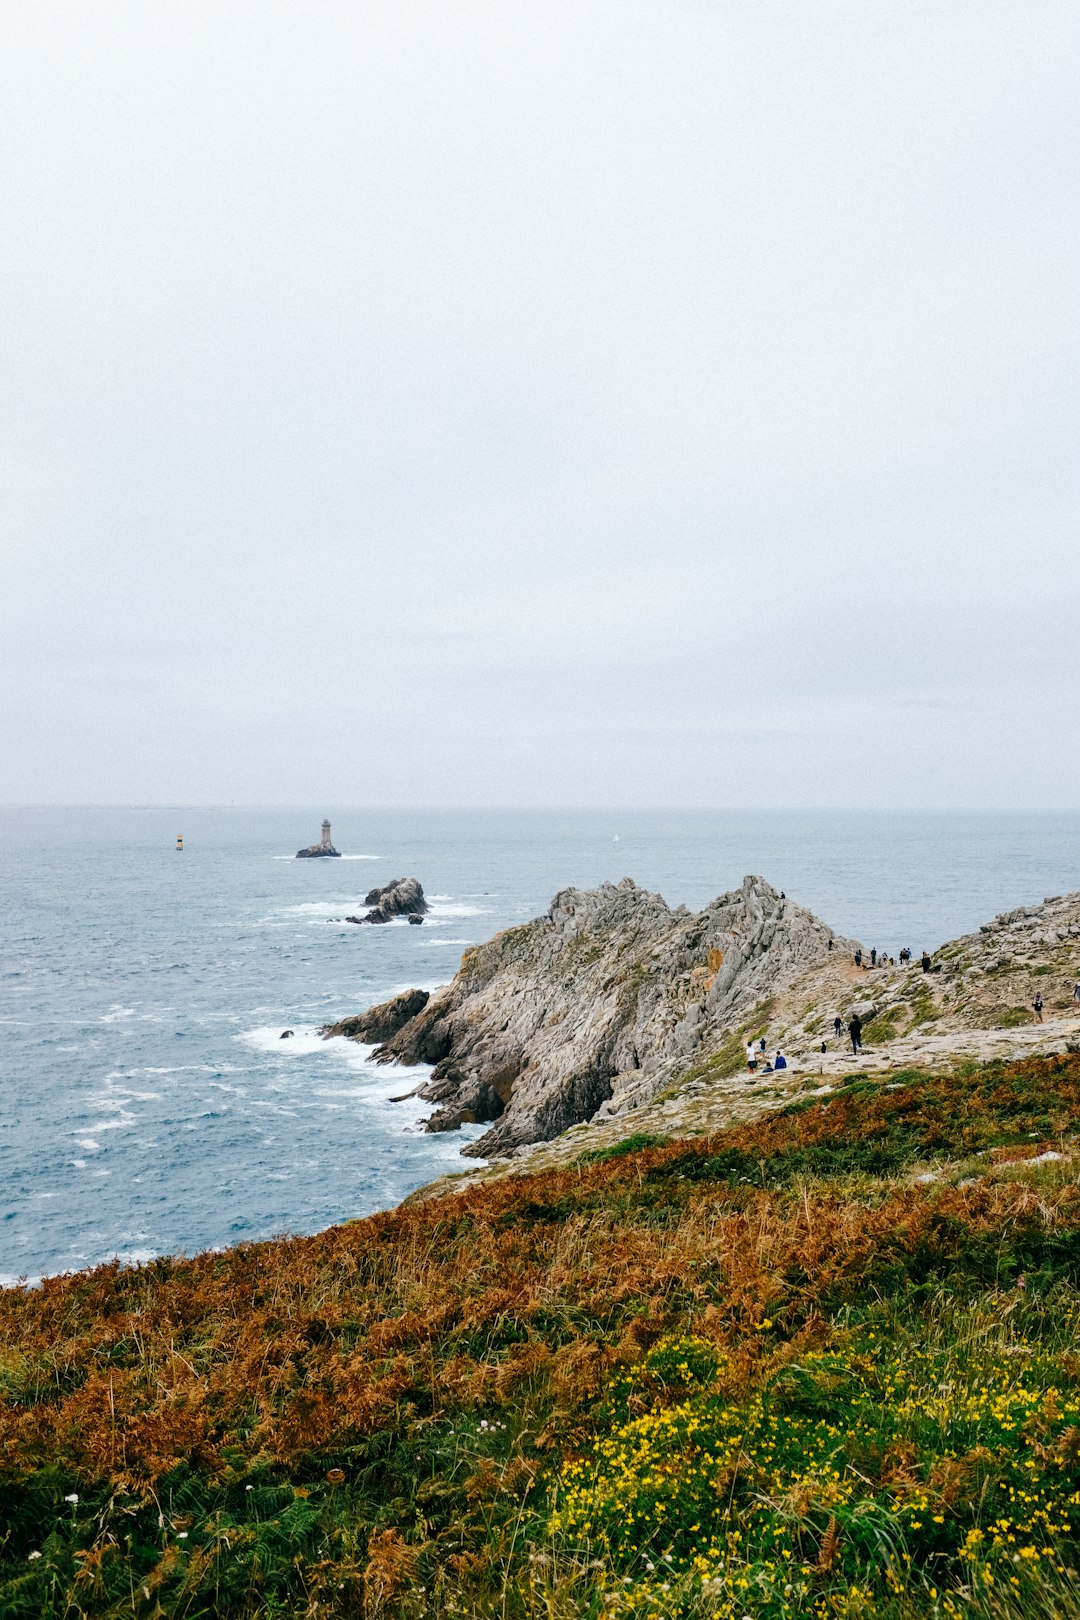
570, 402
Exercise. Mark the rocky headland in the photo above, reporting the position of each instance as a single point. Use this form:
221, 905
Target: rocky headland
601, 1004
615, 1013
401, 897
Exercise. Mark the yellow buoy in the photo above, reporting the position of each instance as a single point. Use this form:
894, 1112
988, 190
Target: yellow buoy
179, 840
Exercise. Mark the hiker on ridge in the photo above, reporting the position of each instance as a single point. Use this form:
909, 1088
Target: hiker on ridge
855, 1031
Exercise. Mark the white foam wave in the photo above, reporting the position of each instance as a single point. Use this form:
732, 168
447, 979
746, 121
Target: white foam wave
441, 909
115, 1013
268, 1038
319, 908
339, 857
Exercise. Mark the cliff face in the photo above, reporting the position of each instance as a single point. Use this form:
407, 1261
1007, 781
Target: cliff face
597, 1004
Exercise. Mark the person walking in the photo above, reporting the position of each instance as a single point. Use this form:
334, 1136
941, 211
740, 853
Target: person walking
858, 958
926, 963
1037, 1007
838, 1026
751, 1056
1076, 992
855, 1031
873, 957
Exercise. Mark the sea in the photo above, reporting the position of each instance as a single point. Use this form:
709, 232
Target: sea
148, 1103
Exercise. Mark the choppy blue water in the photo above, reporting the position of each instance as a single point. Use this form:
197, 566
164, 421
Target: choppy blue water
147, 1104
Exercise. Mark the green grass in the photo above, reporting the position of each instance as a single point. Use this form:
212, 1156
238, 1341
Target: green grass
903, 1457
765, 1364
629, 1144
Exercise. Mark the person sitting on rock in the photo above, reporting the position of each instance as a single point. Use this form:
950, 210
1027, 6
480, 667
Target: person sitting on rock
779, 1061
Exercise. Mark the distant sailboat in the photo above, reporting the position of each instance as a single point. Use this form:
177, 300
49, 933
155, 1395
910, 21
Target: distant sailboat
179, 840
615, 840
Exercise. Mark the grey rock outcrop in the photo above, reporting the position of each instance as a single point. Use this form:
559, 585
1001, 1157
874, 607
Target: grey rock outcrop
402, 897
380, 1023
599, 1004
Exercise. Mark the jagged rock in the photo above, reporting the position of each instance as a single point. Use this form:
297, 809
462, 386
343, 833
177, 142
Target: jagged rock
417, 922
380, 1023
597, 1004
979, 1008
402, 897
285, 1034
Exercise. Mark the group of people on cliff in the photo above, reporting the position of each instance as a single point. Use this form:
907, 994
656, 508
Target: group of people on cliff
880, 959
756, 1050
755, 1055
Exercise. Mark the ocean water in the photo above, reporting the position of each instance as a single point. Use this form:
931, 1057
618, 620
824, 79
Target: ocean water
147, 1103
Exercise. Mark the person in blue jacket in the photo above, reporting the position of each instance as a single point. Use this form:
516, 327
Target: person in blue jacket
779, 1061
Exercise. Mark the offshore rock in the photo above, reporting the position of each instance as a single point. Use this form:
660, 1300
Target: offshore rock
380, 1023
599, 1004
402, 897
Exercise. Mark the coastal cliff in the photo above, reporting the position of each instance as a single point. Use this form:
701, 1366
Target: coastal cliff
596, 1005
619, 1011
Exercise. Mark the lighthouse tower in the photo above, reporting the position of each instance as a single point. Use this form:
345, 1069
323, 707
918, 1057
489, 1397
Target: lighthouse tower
323, 847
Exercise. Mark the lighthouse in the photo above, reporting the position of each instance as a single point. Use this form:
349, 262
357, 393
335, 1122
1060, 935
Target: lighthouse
323, 847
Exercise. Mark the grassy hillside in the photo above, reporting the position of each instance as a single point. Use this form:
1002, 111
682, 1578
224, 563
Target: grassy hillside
825, 1364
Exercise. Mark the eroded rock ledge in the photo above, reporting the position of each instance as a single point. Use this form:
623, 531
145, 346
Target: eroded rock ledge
596, 1006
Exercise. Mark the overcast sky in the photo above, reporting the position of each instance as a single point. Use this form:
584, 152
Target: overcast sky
556, 402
